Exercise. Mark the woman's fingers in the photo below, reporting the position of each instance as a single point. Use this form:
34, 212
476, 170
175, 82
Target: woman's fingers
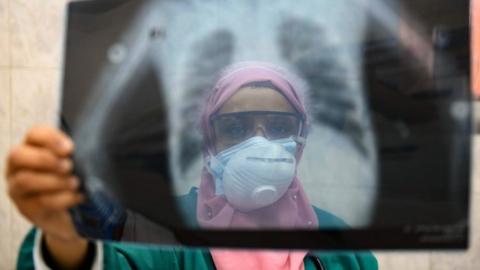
35, 207
42, 208
51, 138
34, 158
28, 183
58, 201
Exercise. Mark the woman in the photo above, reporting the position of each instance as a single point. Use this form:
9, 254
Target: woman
254, 126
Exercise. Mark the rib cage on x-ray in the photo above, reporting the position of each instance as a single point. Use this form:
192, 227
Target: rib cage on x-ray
338, 169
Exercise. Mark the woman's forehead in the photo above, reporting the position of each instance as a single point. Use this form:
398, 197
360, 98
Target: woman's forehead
256, 99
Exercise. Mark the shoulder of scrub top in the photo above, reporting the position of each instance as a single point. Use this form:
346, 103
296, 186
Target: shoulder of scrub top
327, 220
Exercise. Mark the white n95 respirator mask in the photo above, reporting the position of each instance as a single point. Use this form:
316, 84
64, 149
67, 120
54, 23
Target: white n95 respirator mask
254, 173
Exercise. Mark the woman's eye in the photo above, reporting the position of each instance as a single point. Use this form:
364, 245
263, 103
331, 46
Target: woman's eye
236, 130
279, 130
233, 131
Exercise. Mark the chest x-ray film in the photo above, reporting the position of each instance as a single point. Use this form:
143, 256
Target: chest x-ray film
271, 124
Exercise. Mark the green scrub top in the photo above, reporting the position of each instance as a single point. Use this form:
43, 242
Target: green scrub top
128, 256
134, 256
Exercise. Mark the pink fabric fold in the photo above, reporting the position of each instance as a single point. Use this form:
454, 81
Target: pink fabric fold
262, 259
292, 210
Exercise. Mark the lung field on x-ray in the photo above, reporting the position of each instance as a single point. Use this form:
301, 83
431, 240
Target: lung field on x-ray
212, 52
303, 44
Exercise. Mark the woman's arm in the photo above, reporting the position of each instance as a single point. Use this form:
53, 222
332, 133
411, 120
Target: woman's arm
65, 254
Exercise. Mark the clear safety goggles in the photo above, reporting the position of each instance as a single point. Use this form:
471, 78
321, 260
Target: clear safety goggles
233, 128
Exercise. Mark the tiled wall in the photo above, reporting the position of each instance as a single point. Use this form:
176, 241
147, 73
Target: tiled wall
30, 47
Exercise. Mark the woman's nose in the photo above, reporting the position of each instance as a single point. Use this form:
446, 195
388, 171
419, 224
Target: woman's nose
260, 131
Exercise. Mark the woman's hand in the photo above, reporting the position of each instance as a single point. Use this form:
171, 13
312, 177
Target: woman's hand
42, 187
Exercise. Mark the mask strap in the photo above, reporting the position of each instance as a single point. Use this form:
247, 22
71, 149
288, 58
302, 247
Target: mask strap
218, 182
208, 163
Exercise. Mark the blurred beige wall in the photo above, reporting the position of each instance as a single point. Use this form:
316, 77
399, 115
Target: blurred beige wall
30, 47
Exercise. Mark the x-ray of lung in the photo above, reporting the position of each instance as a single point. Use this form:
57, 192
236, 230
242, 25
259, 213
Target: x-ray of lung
271, 124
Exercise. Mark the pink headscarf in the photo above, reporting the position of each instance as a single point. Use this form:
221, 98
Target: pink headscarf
214, 211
